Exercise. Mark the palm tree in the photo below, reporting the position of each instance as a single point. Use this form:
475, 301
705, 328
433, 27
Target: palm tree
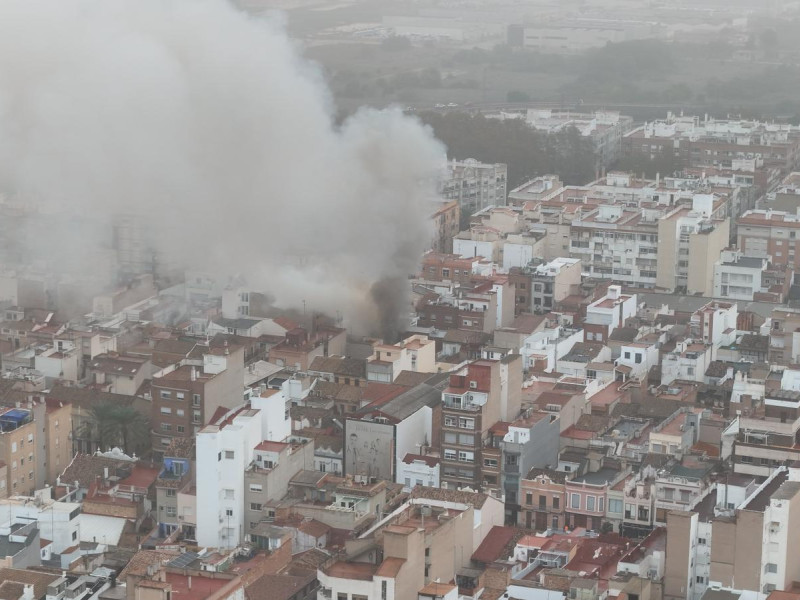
111, 424
100, 428
133, 427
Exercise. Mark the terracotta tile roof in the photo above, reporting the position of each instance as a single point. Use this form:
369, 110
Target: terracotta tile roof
314, 528
85, 468
278, 587
14, 580
492, 546
390, 567
431, 461
143, 559
471, 498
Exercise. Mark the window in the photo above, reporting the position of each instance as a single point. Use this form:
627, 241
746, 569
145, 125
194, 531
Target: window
256, 487
490, 462
638, 359
701, 541
196, 416
228, 494
255, 506
166, 410
180, 412
195, 399
179, 395
166, 427
228, 454
700, 579
627, 355
575, 501
228, 512
408, 482
770, 568
590, 501
74, 535
450, 454
181, 429
601, 504
171, 493
450, 422
556, 502
172, 511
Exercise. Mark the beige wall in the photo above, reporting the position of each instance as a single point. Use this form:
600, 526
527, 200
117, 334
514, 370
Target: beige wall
736, 550
411, 548
679, 540
19, 480
793, 543
58, 446
704, 251
450, 546
667, 249
568, 277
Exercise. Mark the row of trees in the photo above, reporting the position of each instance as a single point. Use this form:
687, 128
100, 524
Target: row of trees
527, 152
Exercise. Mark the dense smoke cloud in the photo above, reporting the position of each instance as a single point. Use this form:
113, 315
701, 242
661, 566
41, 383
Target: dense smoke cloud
208, 123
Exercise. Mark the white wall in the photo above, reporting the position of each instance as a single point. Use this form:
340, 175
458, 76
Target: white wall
218, 473
411, 431
516, 255
471, 248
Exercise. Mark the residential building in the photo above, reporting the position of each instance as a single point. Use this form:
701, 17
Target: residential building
437, 266
688, 362
694, 141
446, 225
21, 449
769, 234
542, 495
299, 348
529, 442
784, 343
554, 281
738, 277
57, 438
534, 190
471, 404
186, 395
416, 353
226, 447
118, 373
474, 185
606, 314
379, 436
267, 477
604, 128
586, 497
56, 521
690, 242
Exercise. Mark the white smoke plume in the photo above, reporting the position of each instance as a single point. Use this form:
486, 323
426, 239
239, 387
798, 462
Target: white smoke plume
209, 123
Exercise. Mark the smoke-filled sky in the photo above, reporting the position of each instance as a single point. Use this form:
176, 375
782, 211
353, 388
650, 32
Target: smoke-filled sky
208, 121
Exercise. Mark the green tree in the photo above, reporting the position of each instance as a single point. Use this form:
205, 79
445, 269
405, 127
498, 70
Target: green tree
112, 424
517, 96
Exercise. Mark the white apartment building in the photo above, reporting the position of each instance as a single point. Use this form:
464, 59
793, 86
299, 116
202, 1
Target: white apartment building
688, 362
57, 521
473, 184
738, 277
608, 313
225, 449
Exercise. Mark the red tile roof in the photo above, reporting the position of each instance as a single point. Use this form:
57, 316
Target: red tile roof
493, 544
